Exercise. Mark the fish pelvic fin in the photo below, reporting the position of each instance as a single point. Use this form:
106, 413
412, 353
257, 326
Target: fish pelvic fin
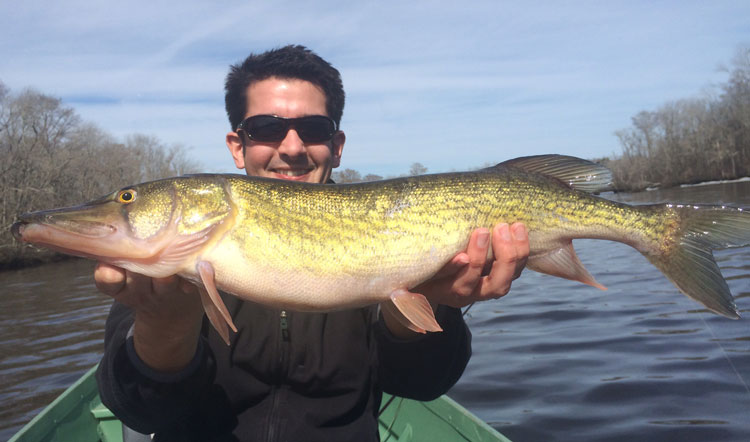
412, 310
212, 303
576, 173
564, 263
687, 258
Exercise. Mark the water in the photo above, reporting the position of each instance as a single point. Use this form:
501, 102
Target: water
51, 332
553, 360
557, 360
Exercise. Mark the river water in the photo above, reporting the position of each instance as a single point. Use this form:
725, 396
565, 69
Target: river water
553, 360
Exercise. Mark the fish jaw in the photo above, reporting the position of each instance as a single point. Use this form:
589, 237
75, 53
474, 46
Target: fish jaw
93, 231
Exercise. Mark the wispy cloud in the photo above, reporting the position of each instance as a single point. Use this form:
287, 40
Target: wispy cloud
452, 86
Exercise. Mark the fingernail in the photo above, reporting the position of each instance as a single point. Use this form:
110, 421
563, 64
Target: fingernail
519, 232
505, 232
483, 238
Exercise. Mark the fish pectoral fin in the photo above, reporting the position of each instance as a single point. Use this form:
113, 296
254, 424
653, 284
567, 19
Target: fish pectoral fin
564, 263
182, 246
214, 315
414, 309
394, 312
213, 305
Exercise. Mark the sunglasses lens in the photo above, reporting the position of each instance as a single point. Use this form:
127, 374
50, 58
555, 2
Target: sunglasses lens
315, 129
268, 128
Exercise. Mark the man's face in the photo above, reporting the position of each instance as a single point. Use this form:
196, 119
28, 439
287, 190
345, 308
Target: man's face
290, 158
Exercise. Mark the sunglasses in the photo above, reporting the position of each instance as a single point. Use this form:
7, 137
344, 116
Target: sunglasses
270, 128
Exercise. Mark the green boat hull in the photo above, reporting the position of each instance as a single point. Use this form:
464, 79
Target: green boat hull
78, 415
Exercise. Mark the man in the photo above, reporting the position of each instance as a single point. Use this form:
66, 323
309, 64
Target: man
287, 375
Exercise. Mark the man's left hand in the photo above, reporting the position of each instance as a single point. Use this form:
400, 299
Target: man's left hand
470, 276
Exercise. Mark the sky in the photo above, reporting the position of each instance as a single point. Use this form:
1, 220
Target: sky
451, 85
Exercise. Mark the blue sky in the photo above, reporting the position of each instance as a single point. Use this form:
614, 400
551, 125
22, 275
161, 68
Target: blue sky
451, 85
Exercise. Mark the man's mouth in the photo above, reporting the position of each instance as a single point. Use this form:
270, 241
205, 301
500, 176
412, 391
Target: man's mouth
291, 173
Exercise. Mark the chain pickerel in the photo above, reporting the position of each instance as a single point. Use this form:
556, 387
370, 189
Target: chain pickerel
313, 247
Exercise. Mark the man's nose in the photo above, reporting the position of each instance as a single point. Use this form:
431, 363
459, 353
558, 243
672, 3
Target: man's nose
292, 145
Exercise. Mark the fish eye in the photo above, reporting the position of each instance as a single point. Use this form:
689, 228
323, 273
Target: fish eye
126, 196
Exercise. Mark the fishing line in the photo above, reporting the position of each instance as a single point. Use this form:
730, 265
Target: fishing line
726, 355
395, 416
466, 310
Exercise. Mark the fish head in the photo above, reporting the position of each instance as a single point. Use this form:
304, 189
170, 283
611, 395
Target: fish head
151, 228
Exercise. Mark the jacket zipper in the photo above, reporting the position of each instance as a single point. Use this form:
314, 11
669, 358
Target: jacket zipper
283, 347
284, 327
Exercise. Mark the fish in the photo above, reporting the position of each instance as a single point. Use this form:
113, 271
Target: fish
328, 247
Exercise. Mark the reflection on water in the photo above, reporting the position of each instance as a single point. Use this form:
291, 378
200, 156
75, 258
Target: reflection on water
554, 360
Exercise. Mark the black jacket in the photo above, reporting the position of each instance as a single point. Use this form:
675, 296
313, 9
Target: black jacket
287, 376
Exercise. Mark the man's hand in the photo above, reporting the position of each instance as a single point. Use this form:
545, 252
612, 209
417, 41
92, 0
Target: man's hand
168, 314
462, 281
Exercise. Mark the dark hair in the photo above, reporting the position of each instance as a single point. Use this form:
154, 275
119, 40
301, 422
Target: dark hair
293, 61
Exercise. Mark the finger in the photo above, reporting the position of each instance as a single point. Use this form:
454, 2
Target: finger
441, 291
166, 284
521, 244
454, 265
497, 283
109, 279
187, 286
468, 277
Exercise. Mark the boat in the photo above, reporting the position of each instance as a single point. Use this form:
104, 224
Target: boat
78, 415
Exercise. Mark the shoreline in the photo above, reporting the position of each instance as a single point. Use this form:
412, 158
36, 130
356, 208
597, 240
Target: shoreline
711, 183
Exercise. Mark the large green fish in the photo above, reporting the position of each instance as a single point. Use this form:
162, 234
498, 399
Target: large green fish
314, 247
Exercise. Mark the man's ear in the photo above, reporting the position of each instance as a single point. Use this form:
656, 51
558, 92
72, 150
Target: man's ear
236, 148
337, 147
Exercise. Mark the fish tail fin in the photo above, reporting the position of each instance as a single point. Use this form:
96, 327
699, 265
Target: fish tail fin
686, 255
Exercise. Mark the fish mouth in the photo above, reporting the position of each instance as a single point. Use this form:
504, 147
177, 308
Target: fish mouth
94, 230
90, 229
17, 230
73, 237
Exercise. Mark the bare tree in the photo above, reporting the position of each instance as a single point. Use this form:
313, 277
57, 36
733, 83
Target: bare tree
690, 140
49, 158
372, 177
347, 176
417, 169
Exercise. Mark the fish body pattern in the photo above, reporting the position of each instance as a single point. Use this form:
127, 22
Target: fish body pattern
313, 247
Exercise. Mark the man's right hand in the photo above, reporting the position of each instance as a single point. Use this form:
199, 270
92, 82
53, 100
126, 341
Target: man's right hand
168, 314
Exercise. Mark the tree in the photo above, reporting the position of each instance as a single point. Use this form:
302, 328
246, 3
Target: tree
372, 177
347, 176
417, 169
690, 140
50, 158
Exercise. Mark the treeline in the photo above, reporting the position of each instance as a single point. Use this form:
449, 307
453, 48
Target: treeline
353, 176
690, 140
50, 158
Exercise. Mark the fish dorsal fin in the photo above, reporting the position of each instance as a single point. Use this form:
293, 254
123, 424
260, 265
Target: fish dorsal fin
577, 173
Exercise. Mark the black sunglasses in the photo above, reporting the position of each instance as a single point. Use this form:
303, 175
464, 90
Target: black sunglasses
270, 128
